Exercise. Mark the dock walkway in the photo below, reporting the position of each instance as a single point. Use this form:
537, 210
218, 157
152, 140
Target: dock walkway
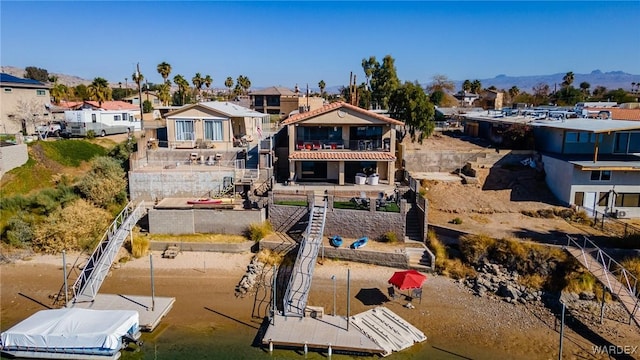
622, 284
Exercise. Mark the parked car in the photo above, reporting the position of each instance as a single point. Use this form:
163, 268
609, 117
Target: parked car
53, 128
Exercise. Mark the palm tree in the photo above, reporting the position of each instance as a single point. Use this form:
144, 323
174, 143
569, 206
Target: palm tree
197, 82
99, 90
567, 80
164, 94
164, 69
584, 86
183, 85
244, 83
514, 91
208, 80
322, 85
466, 85
58, 92
229, 84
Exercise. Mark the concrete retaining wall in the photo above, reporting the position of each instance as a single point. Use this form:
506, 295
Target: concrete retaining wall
160, 185
390, 259
450, 160
12, 156
203, 247
191, 221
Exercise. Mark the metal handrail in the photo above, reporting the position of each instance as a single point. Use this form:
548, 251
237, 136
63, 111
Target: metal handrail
607, 264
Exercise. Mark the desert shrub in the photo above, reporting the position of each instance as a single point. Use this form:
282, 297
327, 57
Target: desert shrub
269, 257
474, 247
104, 183
390, 237
14, 203
77, 226
438, 248
533, 281
632, 265
140, 246
257, 232
19, 230
529, 213
564, 213
546, 213
582, 217
456, 221
90, 135
580, 281
456, 269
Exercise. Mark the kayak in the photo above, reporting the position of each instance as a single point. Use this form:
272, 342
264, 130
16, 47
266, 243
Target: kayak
360, 242
335, 241
205, 201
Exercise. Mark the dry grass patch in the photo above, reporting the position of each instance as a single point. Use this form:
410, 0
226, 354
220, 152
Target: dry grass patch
269, 257
480, 219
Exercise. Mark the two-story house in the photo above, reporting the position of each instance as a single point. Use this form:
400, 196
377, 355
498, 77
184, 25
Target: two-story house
17, 96
282, 101
592, 163
340, 142
220, 124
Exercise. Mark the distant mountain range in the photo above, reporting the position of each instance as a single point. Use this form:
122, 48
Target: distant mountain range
611, 80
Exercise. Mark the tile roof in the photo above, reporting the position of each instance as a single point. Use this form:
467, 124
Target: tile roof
338, 105
620, 113
113, 105
342, 155
273, 90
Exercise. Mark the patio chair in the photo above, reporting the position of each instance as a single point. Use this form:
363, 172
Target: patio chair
316, 145
299, 145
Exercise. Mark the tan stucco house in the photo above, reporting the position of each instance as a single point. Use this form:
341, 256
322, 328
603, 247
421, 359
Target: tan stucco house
16, 94
339, 142
281, 101
216, 124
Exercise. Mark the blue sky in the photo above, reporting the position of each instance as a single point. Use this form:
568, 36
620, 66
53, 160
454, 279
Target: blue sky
289, 42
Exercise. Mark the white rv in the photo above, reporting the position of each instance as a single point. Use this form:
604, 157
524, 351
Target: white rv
102, 122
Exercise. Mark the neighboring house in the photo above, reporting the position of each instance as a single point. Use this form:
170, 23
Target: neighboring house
18, 95
492, 99
218, 124
592, 163
338, 142
109, 105
282, 101
613, 113
146, 95
466, 98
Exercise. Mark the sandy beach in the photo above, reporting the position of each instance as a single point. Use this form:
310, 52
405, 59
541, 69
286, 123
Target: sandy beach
458, 324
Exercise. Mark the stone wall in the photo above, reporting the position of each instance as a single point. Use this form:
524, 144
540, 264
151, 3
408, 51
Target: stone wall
190, 221
347, 223
12, 156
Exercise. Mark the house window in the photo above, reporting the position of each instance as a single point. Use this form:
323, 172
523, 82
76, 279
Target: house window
184, 130
41, 92
117, 118
601, 175
571, 137
583, 137
213, 130
603, 199
578, 198
8, 90
592, 138
627, 200
125, 116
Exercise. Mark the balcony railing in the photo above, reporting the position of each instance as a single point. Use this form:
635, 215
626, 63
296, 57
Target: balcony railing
352, 145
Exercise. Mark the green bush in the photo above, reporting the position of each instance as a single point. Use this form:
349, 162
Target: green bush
456, 221
90, 135
20, 231
105, 183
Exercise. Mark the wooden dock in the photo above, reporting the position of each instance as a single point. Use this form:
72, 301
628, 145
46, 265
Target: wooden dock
318, 334
150, 312
377, 331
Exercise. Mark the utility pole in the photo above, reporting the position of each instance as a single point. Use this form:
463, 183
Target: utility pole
140, 99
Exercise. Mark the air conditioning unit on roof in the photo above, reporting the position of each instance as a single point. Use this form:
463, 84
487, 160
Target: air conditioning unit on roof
621, 214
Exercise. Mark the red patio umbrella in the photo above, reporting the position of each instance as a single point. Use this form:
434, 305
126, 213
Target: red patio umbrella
407, 279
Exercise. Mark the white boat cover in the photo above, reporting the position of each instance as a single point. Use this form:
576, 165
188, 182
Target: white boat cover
72, 328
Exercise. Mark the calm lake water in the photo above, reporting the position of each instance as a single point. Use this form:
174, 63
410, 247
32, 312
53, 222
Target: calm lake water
184, 343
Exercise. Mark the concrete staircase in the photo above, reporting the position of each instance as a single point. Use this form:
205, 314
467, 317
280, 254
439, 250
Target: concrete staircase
413, 230
419, 258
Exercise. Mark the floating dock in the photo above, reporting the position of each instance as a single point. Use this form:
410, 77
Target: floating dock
377, 331
150, 311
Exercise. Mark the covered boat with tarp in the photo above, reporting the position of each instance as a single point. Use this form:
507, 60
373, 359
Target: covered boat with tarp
72, 333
